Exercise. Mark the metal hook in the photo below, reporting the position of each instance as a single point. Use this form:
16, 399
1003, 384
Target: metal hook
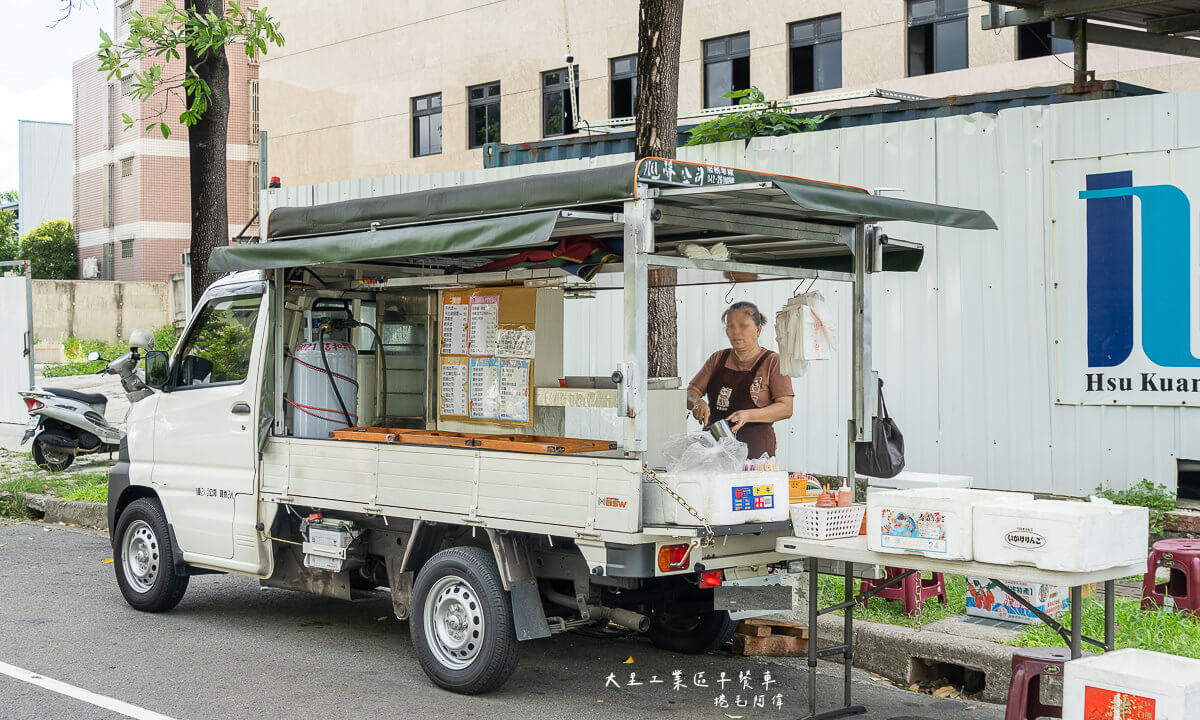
811, 282
729, 295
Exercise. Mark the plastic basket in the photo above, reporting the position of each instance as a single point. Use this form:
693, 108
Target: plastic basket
818, 523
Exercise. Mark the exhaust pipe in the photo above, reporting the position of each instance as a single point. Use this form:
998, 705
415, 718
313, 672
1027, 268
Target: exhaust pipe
627, 619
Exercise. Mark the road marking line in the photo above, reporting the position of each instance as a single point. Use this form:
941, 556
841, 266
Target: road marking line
86, 696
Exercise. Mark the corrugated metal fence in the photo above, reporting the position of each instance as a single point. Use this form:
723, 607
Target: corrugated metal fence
965, 345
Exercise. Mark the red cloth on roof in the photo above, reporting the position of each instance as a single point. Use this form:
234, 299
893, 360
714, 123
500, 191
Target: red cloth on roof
575, 248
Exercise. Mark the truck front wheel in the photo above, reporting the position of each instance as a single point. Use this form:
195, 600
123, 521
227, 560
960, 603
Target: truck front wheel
462, 626
691, 633
144, 559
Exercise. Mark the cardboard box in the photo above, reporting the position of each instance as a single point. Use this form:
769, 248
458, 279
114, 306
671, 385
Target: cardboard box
986, 599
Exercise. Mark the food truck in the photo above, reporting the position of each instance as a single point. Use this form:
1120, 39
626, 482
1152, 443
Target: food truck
371, 402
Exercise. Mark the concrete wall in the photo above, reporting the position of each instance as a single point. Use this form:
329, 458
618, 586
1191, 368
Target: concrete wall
99, 310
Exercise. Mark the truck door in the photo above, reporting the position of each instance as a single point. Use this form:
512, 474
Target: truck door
205, 434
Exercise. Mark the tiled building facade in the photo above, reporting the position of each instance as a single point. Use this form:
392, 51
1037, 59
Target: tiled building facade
132, 212
364, 88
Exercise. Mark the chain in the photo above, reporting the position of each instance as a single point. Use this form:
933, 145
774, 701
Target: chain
708, 538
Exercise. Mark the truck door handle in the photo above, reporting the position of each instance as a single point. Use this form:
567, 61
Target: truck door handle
240, 408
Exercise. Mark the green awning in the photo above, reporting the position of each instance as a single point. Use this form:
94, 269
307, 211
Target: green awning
484, 234
610, 185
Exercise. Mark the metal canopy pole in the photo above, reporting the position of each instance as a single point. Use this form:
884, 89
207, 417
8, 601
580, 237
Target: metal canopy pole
632, 385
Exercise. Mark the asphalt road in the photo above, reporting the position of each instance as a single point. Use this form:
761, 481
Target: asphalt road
234, 650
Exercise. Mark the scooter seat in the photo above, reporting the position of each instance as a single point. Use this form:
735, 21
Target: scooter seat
89, 398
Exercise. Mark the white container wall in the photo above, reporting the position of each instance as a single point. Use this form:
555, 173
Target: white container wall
966, 345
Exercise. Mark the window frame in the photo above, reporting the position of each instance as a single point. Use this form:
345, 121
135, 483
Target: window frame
565, 85
1032, 30
728, 56
127, 244
817, 39
248, 290
940, 16
613, 76
426, 112
485, 102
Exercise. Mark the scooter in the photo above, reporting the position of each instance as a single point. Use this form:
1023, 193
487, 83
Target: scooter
66, 423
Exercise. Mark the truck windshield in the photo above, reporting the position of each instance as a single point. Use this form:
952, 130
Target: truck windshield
218, 348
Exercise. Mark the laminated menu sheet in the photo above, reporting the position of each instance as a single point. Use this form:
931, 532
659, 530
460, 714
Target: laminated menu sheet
485, 361
483, 323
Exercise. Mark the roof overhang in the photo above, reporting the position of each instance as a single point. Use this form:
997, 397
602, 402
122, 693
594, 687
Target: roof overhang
1164, 26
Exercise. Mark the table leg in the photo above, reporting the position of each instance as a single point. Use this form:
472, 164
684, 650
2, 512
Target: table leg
1110, 615
1076, 622
813, 601
848, 632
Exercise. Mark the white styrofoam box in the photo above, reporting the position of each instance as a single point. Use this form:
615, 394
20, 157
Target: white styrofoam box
1132, 685
986, 599
1061, 535
934, 522
723, 498
908, 480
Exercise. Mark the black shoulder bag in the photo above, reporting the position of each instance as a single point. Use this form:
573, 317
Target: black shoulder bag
883, 457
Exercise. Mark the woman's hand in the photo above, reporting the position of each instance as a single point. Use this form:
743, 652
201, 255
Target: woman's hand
739, 418
700, 412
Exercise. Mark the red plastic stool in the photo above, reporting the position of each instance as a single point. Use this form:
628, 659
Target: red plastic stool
1181, 591
1025, 688
913, 590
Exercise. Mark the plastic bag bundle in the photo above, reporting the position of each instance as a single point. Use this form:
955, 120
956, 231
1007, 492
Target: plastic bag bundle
805, 332
701, 452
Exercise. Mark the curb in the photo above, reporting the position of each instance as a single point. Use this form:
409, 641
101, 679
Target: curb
74, 512
897, 652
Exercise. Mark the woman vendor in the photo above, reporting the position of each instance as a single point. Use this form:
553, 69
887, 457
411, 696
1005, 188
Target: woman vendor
743, 384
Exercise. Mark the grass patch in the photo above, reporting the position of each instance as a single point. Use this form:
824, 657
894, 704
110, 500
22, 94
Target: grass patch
76, 351
1158, 630
892, 612
91, 486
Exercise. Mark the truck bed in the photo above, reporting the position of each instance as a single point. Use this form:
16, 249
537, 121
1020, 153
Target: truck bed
595, 494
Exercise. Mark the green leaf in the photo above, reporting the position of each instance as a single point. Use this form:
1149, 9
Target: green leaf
166, 131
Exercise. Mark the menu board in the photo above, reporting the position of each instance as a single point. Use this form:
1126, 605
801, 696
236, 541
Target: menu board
454, 328
483, 324
486, 353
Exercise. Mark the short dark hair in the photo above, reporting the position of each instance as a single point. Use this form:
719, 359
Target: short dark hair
750, 308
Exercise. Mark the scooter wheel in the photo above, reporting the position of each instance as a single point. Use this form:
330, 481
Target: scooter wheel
52, 461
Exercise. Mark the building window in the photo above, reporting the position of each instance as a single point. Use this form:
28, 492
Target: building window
126, 167
127, 248
111, 116
427, 125
109, 196
623, 86
254, 183
558, 101
1034, 40
937, 36
106, 262
483, 114
815, 55
253, 98
126, 85
726, 68
124, 14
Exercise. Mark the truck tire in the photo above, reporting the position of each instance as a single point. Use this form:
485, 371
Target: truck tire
692, 634
461, 622
144, 559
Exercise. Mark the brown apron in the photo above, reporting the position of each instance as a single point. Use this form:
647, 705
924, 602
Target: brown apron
729, 391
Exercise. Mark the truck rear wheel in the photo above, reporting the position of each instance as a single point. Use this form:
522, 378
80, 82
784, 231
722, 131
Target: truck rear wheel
692, 633
462, 626
144, 559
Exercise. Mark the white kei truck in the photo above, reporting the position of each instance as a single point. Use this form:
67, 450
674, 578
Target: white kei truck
456, 495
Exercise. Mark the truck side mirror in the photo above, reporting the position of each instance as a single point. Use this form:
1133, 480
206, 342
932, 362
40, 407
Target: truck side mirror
157, 368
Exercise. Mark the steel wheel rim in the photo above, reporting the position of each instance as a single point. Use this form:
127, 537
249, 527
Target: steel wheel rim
140, 557
454, 624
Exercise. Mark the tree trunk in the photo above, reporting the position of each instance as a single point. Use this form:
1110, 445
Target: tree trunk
206, 156
660, 23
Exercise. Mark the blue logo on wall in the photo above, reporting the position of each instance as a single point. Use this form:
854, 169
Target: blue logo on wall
1165, 307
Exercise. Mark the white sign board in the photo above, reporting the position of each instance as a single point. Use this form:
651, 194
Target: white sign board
1126, 268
